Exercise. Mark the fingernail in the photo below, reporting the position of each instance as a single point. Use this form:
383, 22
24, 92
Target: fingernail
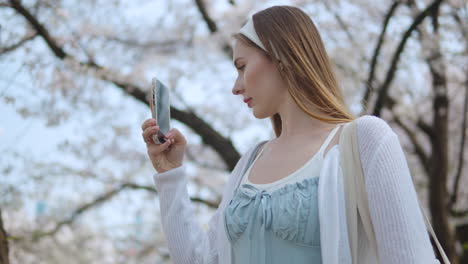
168, 134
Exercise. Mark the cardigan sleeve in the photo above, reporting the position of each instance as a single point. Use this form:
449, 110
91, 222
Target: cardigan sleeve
394, 208
187, 241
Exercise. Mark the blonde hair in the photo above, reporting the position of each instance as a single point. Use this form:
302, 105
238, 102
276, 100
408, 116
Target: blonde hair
305, 65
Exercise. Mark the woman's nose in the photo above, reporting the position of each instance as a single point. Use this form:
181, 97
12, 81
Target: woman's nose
237, 89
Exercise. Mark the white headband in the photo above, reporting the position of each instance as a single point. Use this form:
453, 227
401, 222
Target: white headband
249, 31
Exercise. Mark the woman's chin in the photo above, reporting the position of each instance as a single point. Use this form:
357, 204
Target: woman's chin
260, 115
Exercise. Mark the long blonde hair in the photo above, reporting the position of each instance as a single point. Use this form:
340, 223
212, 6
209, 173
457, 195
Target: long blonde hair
305, 65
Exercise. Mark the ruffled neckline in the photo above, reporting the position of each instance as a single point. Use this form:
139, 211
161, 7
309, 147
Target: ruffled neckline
288, 187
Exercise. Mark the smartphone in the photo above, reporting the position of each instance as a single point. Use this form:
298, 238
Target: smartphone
160, 109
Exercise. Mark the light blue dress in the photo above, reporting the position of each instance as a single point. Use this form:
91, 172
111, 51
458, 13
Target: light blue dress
278, 224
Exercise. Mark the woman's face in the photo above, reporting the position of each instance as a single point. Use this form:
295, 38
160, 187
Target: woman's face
259, 79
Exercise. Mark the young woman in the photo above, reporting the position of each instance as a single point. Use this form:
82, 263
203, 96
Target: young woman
274, 206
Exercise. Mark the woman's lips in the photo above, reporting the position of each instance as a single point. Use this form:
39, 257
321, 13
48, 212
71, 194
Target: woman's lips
248, 101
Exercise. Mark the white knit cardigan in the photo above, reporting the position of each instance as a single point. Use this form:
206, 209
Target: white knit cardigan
393, 204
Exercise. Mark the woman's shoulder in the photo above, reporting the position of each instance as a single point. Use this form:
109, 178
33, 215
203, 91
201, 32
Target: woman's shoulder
372, 132
372, 129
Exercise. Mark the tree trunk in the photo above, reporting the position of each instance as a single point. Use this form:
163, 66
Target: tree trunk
439, 198
3, 242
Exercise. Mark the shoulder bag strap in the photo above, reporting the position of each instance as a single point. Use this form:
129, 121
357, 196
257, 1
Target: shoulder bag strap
439, 247
355, 191
349, 138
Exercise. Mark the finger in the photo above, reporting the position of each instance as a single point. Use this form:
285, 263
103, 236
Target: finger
175, 135
148, 134
148, 122
159, 149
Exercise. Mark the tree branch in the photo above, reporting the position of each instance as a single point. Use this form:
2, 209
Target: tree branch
12, 47
418, 149
208, 20
383, 90
56, 49
459, 213
38, 235
210, 136
160, 46
458, 174
345, 28
461, 156
439, 198
212, 25
375, 56
426, 128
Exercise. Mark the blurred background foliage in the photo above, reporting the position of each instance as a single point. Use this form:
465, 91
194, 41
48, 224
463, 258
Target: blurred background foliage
75, 181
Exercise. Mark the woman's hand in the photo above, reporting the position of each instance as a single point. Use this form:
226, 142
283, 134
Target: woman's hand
168, 155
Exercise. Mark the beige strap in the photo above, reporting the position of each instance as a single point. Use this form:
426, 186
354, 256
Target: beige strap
439, 247
356, 193
351, 207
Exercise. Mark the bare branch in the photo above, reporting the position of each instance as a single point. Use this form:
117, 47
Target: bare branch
418, 149
345, 28
56, 49
161, 46
458, 174
459, 213
209, 135
208, 20
212, 25
134, 186
38, 235
375, 56
12, 47
456, 184
439, 198
383, 90
426, 128
201, 164
463, 27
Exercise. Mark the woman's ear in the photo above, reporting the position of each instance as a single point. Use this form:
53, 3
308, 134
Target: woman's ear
281, 65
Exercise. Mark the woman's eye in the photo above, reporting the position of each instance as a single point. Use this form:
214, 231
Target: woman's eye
241, 68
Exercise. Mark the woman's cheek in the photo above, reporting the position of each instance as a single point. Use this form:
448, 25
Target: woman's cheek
246, 78
252, 76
